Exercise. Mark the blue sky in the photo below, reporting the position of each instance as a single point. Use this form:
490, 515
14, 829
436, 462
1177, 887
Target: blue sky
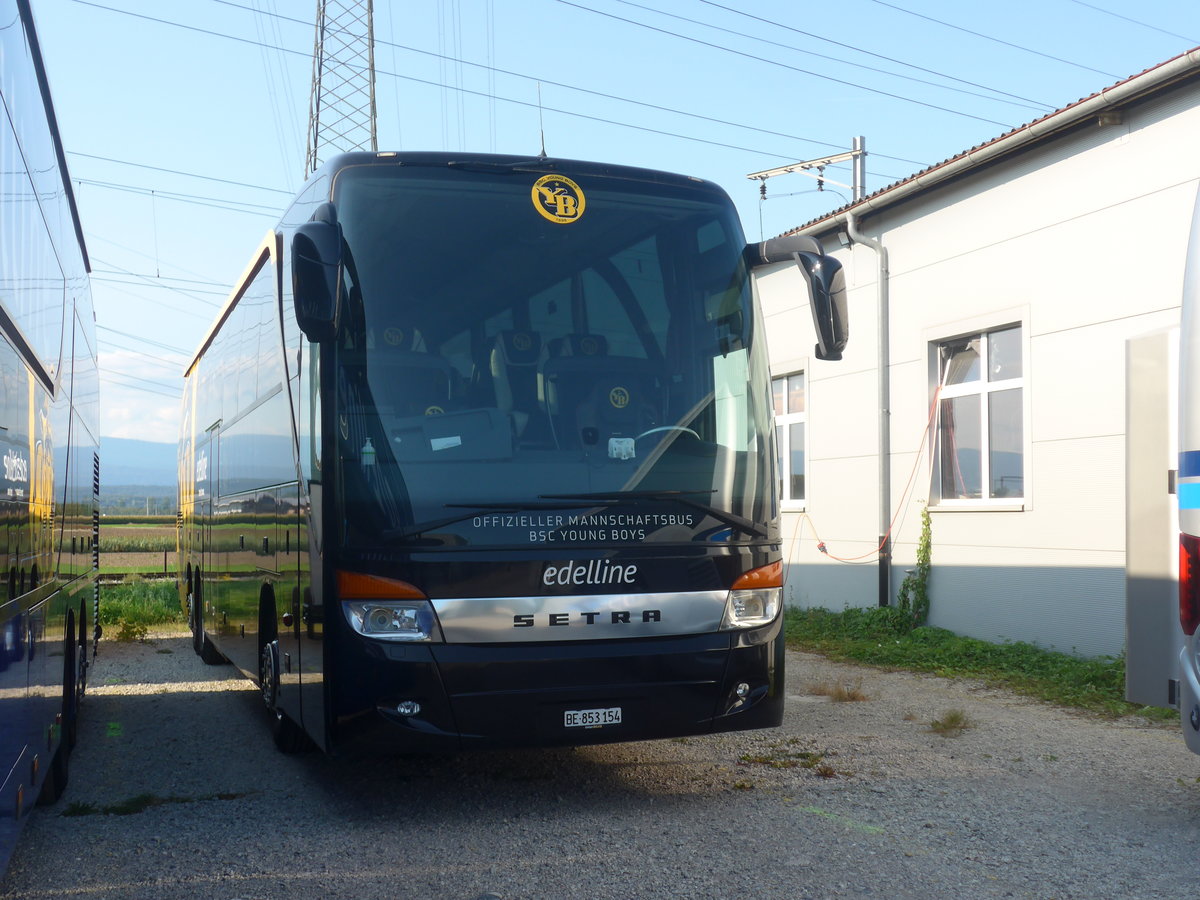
185, 123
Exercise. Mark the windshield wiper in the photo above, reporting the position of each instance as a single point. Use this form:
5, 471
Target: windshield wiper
504, 168
613, 497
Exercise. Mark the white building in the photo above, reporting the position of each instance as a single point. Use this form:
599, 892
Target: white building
1015, 273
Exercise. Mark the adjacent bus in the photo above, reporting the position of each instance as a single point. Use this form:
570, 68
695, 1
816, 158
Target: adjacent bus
1188, 490
49, 415
480, 453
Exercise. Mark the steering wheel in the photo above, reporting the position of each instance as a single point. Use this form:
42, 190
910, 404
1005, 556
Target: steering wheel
662, 428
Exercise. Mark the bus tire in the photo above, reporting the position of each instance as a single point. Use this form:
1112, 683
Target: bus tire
59, 771
288, 736
82, 662
193, 622
56, 777
208, 652
70, 700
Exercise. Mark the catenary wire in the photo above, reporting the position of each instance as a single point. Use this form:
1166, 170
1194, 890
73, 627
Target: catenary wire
993, 39
900, 62
526, 104
139, 384
763, 59
1108, 12
1027, 104
152, 343
256, 209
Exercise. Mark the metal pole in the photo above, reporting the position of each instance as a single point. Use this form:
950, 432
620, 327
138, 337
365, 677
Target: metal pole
859, 149
885, 438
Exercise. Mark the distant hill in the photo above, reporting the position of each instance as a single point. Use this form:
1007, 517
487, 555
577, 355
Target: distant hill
131, 463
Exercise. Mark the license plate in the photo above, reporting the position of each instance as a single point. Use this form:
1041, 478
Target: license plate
592, 718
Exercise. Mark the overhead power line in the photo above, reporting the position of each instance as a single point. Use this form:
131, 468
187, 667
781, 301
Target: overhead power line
92, 238
489, 97
994, 39
992, 95
138, 165
154, 281
175, 364
254, 209
158, 277
873, 55
1108, 12
149, 282
541, 80
772, 62
139, 384
152, 343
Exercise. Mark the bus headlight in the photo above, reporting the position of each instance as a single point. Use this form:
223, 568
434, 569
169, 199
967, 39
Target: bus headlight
755, 598
749, 609
393, 620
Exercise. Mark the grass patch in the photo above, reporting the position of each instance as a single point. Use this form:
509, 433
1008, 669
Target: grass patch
784, 755
128, 610
840, 692
884, 637
952, 723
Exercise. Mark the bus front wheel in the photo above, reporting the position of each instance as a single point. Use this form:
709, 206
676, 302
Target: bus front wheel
288, 736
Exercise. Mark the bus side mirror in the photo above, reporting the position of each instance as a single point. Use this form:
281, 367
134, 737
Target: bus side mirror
316, 280
826, 284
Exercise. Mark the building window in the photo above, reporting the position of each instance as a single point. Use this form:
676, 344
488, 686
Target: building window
788, 396
981, 436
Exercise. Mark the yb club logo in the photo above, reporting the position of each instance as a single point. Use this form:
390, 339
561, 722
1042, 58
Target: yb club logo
558, 199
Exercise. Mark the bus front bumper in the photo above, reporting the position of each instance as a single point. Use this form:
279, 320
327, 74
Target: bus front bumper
479, 696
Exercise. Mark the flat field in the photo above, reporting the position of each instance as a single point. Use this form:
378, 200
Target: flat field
142, 549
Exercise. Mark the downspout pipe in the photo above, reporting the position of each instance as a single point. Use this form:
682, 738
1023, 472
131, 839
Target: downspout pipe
885, 412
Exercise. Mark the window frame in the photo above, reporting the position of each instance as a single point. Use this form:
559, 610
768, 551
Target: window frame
981, 388
783, 422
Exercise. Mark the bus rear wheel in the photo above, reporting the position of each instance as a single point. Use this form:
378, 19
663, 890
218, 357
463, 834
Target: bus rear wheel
289, 737
200, 642
59, 771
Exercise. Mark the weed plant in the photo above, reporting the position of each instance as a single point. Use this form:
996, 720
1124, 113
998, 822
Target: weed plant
129, 609
840, 692
884, 636
952, 723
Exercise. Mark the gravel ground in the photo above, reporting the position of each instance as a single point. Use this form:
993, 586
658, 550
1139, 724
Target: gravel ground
847, 799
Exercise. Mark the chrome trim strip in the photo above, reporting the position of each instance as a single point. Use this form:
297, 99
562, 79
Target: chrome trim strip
490, 620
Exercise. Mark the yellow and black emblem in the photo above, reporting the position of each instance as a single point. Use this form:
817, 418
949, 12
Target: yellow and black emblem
618, 397
558, 199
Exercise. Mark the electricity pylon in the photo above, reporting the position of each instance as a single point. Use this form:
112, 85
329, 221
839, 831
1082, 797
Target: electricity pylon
341, 107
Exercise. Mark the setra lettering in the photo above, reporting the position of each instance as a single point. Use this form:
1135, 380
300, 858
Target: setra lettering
558, 620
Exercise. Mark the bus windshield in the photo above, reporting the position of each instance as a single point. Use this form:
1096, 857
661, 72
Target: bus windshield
580, 365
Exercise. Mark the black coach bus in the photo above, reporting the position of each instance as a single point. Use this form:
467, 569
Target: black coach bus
480, 453
49, 423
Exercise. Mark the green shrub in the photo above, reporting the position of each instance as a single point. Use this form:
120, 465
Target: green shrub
130, 608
